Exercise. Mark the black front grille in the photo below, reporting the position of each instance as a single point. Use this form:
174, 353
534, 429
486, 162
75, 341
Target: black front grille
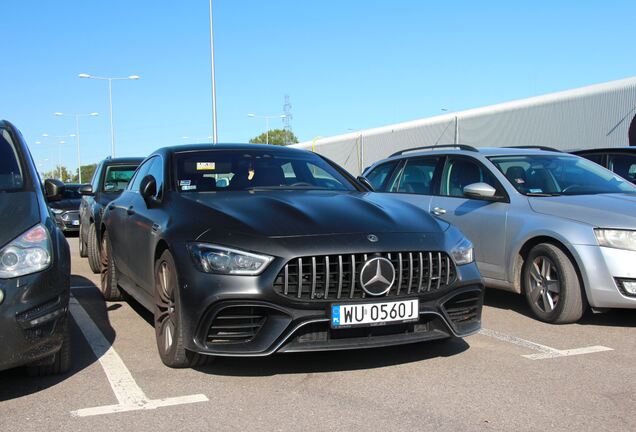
337, 277
236, 324
464, 308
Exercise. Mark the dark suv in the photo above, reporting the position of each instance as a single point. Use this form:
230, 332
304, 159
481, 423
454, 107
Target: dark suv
620, 160
109, 180
34, 265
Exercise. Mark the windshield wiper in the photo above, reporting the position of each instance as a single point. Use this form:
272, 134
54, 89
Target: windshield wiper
542, 194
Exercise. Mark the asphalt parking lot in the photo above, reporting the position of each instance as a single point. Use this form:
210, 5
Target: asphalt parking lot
517, 374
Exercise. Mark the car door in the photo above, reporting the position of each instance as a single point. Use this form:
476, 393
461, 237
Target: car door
120, 212
87, 203
415, 180
483, 222
143, 224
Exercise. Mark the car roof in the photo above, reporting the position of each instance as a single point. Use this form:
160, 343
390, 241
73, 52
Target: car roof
123, 160
228, 146
475, 151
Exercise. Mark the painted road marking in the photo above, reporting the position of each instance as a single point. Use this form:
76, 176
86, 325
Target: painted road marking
545, 352
128, 393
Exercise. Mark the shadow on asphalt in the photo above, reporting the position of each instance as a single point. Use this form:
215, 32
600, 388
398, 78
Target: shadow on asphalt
517, 303
335, 361
15, 383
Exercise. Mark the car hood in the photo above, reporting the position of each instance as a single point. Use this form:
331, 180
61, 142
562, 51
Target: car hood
66, 204
308, 213
19, 211
603, 210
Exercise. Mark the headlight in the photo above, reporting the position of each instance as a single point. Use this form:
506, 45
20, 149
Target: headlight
463, 252
57, 211
620, 239
29, 253
211, 258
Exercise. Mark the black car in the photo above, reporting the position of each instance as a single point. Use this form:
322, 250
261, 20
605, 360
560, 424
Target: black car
247, 250
34, 265
66, 209
620, 160
109, 180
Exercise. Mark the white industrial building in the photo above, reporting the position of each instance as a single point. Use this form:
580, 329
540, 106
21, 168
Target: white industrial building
601, 115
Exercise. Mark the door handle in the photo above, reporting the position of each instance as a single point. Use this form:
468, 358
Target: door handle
438, 211
130, 211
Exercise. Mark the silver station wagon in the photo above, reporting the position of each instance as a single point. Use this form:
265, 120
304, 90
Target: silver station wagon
555, 227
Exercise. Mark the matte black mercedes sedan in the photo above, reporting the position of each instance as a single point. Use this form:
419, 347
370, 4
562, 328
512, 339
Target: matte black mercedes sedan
35, 265
247, 250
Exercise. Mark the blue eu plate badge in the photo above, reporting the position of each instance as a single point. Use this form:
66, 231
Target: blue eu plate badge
335, 315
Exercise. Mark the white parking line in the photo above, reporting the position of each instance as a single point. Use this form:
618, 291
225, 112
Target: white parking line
128, 393
545, 352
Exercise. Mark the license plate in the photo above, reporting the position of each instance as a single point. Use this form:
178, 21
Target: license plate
369, 314
76, 223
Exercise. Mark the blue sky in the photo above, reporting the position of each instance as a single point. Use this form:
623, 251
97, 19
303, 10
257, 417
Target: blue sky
351, 64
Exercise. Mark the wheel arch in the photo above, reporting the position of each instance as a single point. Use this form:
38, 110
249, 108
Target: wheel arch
526, 247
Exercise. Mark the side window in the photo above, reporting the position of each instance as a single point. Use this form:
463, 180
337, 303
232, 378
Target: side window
140, 174
379, 175
416, 177
460, 172
594, 157
156, 170
624, 165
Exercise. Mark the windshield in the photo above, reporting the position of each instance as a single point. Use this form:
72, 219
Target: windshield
238, 170
10, 171
117, 177
550, 175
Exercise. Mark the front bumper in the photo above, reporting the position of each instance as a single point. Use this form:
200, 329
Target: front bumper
601, 268
283, 324
32, 315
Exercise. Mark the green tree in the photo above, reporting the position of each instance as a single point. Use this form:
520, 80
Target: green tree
276, 136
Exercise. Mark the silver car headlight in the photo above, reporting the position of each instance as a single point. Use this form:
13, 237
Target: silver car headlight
462, 253
29, 253
211, 258
619, 239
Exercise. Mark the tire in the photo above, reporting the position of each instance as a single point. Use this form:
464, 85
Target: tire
552, 286
83, 252
108, 269
60, 362
93, 250
167, 316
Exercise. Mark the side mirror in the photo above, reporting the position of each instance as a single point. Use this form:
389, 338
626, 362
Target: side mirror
481, 191
367, 184
148, 190
86, 189
53, 189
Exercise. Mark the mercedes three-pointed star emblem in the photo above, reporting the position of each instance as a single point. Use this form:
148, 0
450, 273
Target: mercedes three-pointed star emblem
377, 276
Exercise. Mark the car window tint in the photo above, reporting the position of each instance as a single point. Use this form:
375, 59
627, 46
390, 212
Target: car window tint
156, 170
378, 176
416, 177
624, 165
10, 171
139, 175
96, 176
461, 172
235, 170
117, 177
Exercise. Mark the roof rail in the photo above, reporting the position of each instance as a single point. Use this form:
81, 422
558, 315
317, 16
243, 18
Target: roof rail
546, 148
435, 147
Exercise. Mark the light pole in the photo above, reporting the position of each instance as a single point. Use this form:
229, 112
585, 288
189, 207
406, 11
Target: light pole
77, 138
214, 132
60, 142
267, 117
110, 101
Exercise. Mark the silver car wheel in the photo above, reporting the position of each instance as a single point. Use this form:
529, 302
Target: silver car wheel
545, 287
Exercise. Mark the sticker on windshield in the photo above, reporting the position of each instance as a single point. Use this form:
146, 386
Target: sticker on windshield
188, 187
535, 190
205, 166
185, 182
